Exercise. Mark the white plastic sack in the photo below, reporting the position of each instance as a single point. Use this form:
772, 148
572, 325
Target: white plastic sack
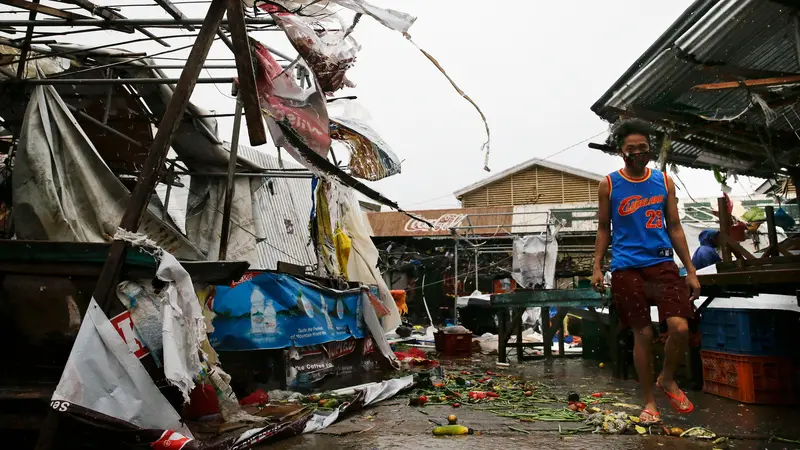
534, 260
102, 374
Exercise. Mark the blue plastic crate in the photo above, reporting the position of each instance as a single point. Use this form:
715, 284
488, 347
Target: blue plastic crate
758, 332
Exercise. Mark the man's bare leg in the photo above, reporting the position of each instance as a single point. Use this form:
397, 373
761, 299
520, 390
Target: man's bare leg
675, 352
643, 360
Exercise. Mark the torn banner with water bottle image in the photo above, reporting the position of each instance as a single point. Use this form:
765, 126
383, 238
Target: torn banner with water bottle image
277, 311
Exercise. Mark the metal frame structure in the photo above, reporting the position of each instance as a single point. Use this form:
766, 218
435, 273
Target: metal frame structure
471, 234
231, 31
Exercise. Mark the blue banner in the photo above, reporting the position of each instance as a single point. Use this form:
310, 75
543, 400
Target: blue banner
276, 311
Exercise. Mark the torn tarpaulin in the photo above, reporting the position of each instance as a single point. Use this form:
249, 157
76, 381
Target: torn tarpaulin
323, 43
370, 157
300, 110
396, 20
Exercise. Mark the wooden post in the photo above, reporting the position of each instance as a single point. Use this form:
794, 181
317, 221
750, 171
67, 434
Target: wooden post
230, 189
502, 334
796, 182
26, 45
772, 233
247, 77
724, 228
149, 175
548, 346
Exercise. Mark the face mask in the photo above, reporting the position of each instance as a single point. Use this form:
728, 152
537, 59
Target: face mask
637, 160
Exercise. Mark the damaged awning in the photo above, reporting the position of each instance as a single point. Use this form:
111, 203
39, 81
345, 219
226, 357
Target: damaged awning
718, 85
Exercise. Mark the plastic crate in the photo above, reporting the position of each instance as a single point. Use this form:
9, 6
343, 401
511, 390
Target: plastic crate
758, 332
749, 379
453, 344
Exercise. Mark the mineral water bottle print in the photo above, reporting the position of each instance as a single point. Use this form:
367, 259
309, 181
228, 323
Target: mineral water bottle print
304, 305
270, 318
257, 325
324, 308
340, 308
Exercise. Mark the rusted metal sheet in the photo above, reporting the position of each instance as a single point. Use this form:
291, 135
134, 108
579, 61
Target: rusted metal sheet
487, 221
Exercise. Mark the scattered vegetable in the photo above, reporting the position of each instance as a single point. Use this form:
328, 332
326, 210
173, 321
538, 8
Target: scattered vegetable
451, 430
699, 433
452, 419
456, 405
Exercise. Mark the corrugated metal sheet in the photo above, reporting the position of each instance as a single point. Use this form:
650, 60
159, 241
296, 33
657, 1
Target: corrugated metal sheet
283, 206
737, 34
395, 224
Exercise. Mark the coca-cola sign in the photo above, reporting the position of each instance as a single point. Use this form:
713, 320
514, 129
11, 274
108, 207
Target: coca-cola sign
444, 223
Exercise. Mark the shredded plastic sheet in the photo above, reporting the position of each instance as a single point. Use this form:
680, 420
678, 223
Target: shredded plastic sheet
363, 263
534, 260
324, 45
395, 20
326, 248
184, 325
103, 375
370, 157
293, 109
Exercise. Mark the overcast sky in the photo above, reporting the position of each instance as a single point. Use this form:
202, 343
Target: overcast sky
534, 68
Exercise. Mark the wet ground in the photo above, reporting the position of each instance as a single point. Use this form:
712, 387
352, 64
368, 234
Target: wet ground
393, 424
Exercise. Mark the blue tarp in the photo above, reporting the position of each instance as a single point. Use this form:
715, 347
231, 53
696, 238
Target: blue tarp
276, 311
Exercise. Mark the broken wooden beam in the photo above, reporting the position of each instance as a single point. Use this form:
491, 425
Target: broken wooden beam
230, 188
156, 158
761, 82
31, 6
26, 45
247, 78
173, 11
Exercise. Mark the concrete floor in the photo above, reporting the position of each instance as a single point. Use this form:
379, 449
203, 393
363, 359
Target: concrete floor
395, 425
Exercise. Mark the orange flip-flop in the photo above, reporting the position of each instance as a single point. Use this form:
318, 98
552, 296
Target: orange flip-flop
656, 417
676, 401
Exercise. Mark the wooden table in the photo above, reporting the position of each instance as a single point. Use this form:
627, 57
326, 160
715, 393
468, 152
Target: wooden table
511, 306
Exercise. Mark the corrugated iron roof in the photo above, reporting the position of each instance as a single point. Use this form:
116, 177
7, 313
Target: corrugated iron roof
524, 165
712, 42
283, 207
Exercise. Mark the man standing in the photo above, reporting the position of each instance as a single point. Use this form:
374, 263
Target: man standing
640, 205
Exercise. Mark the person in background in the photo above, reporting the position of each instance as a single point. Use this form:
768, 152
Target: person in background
641, 206
706, 254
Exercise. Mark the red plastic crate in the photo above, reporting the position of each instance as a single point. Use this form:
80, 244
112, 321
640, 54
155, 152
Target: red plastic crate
453, 344
749, 379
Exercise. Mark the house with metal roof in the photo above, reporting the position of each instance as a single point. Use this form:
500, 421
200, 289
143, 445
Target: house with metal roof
721, 85
535, 181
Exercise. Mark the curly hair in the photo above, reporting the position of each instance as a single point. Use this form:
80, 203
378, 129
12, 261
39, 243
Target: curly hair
624, 128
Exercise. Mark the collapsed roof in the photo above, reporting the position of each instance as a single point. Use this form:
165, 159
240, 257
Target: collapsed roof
722, 83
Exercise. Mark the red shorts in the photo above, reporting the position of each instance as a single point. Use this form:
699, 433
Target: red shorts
635, 290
